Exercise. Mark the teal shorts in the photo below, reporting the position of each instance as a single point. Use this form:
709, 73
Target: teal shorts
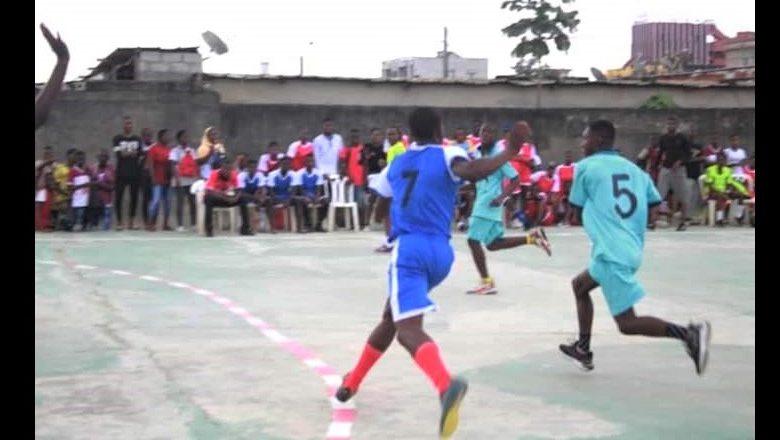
485, 231
621, 289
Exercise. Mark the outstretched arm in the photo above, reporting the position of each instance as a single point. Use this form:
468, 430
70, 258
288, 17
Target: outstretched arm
45, 99
481, 168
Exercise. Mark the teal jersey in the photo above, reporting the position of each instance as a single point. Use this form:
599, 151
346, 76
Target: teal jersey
491, 187
614, 195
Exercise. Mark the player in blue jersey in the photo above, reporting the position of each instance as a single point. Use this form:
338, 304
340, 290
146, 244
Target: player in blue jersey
421, 186
486, 224
613, 196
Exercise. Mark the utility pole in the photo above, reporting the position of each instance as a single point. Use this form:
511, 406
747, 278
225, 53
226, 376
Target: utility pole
446, 57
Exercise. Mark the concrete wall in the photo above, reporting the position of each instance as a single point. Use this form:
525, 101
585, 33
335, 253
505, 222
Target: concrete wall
295, 91
167, 66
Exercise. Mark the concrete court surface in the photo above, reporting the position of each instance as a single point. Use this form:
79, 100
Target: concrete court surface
118, 357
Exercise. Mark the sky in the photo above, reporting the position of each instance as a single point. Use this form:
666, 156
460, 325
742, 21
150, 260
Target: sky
351, 38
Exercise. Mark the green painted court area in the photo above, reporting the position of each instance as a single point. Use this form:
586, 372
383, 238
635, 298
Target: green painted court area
118, 357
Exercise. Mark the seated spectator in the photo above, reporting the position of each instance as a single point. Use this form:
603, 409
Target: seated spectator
736, 155
309, 190
222, 191
299, 149
241, 162
79, 182
44, 180
723, 187
269, 161
185, 173
279, 184
251, 182
104, 190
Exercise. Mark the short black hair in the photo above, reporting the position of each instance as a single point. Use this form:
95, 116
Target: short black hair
603, 129
272, 143
327, 119
354, 131
48, 148
70, 151
424, 123
179, 134
375, 129
161, 133
251, 161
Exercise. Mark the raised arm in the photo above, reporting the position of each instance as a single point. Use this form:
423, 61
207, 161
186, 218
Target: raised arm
45, 99
481, 168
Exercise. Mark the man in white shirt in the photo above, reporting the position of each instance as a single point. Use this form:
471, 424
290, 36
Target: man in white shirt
327, 147
736, 156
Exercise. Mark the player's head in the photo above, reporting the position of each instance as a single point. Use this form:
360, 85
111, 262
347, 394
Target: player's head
354, 136
211, 134
722, 159
425, 125
671, 125
568, 157
81, 158
600, 135
224, 165
308, 162
476, 126
70, 156
102, 157
284, 164
393, 135
147, 135
551, 168
127, 125
251, 166
376, 136
487, 134
460, 135
241, 159
304, 135
48, 153
734, 141
162, 136
273, 149
182, 137
328, 127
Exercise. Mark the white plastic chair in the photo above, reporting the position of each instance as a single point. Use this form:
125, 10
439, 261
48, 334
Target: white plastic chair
342, 195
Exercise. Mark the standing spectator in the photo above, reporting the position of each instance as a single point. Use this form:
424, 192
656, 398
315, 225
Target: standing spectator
309, 186
461, 140
373, 160
327, 147
104, 185
159, 165
79, 183
127, 149
649, 159
397, 146
185, 173
147, 140
44, 178
565, 176
675, 152
269, 161
222, 191
279, 183
300, 149
209, 151
351, 156
736, 156
60, 212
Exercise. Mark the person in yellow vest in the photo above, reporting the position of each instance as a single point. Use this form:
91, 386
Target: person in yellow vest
722, 187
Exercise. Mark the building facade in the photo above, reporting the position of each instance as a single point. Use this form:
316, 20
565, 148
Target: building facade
433, 67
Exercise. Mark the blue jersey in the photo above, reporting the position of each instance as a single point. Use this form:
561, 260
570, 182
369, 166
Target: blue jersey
615, 195
423, 188
280, 184
250, 184
308, 181
491, 187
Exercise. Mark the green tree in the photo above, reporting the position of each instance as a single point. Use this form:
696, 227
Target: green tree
541, 22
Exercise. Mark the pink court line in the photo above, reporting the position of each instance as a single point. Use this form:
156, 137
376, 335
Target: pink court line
342, 415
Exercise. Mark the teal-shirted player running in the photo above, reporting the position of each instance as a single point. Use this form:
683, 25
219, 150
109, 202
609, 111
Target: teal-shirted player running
614, 197
486, 224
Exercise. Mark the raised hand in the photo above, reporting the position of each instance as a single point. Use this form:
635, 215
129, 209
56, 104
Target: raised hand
57, 45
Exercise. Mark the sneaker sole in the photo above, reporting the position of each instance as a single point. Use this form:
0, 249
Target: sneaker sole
489, 292
452, 416
579, 364
705, 333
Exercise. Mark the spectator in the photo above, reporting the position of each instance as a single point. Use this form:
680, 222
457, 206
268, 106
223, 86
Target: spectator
44, 180
222, 191
565, 176
649, 159
185, 173
79, 183
723, 187
127, 149
241, 162
209, 151
104, 185
397, 146
309, 184
300, 149
279, 183
269, 161
60, 213
147, 140
711, 150
327, 147
545, 185
675, 152
251, 183
373, 160
350, 157
159, 164
736, 156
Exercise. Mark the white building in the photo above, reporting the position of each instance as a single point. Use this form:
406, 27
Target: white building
433, 67
148, 64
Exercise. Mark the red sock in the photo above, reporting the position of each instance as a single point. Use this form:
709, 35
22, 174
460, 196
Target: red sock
428, 359
367, 360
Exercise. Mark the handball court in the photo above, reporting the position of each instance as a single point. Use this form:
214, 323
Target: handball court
172, 336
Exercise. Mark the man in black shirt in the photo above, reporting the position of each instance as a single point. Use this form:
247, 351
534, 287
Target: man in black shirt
675, 152
127, 148
373, 158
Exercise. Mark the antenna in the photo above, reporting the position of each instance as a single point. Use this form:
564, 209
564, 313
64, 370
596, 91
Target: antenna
215, 43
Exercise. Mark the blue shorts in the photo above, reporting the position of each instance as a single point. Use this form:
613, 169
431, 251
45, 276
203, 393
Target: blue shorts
417, 265
485, 231
621, 289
